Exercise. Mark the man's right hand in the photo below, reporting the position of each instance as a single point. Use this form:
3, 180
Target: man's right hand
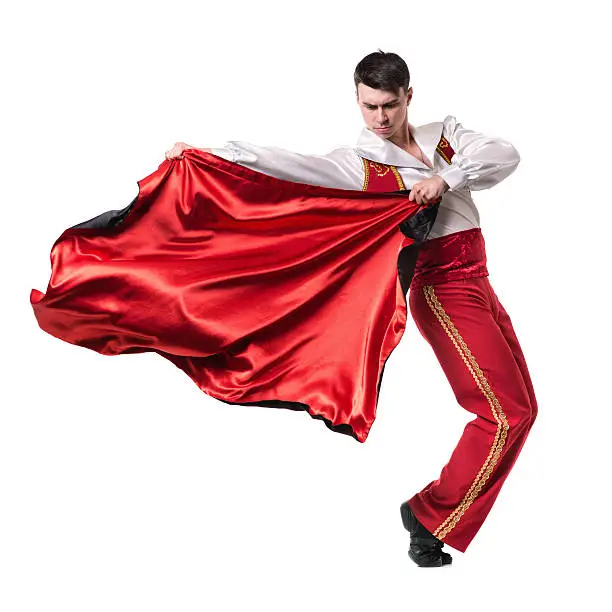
176, 152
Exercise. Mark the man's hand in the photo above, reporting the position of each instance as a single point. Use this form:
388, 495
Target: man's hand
177, 150
429, 190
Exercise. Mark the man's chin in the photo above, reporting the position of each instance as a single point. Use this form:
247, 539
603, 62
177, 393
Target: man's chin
383, 133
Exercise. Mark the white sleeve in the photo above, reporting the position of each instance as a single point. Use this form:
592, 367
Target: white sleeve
342, 168
222, 152
480, 161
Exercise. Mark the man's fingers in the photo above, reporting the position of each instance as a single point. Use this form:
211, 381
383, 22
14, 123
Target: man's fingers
174, 153
424, 192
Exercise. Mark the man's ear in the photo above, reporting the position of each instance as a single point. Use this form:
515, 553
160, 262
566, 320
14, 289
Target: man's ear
408, 96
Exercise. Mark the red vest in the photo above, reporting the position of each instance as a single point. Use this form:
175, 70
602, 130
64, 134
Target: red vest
382, 177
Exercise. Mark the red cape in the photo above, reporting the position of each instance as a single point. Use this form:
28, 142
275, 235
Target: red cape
264, 291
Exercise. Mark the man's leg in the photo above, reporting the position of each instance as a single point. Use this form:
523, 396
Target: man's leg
473, 339
505, 324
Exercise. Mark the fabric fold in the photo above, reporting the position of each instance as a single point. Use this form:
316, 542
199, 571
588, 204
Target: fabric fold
263, 291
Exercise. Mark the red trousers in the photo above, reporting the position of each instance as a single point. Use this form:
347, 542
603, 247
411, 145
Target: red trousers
458, 313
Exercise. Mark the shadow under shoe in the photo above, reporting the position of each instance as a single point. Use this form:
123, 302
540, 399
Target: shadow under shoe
425, 549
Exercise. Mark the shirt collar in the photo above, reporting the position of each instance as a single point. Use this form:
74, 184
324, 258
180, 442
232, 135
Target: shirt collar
372, 146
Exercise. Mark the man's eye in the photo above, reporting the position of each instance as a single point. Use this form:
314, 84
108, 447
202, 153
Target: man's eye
384, 106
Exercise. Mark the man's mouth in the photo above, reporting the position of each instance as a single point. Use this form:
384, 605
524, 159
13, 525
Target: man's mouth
383, 129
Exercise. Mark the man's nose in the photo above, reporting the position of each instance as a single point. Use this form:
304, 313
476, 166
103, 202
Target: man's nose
382, 117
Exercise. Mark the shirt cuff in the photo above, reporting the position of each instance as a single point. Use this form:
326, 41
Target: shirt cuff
241, 151
224, 152
453, 176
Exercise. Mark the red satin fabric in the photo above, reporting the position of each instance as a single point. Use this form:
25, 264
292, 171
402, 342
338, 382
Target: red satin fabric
259, 289
453, 257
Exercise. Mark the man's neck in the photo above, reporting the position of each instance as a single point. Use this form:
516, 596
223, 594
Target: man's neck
403, 138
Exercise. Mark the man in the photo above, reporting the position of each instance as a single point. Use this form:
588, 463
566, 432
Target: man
451, 299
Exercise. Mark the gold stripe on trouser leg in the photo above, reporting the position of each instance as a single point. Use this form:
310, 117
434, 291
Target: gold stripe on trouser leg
502, 424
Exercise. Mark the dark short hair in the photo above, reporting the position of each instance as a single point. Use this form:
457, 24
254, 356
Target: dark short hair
381, 70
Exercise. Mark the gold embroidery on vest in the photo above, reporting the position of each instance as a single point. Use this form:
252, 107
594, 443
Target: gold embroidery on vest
381, 169
379, 172
366, 175
398, 177
502, 424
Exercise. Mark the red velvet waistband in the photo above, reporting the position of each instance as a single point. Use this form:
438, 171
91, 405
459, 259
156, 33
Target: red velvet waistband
452, 257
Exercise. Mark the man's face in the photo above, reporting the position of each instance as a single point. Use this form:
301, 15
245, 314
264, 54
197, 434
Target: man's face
383, 111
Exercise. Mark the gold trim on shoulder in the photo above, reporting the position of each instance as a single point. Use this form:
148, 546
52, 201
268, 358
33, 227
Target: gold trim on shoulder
498, 414
440, 149
444, 155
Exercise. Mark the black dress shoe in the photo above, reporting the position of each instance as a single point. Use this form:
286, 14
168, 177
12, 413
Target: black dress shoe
425, 548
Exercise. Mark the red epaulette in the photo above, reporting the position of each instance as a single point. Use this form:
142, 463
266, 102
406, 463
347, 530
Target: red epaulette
383, 177
445, 150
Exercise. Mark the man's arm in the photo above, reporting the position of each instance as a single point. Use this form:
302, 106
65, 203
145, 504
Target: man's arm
480, 161
341, 168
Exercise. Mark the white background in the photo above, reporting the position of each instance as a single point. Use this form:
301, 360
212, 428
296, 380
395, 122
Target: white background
125, 488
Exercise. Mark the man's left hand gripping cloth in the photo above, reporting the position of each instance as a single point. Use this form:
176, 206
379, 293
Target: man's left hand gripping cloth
264, 291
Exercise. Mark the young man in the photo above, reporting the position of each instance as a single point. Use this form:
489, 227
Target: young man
451, 299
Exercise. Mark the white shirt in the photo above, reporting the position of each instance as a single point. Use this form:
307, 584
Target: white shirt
479, 162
